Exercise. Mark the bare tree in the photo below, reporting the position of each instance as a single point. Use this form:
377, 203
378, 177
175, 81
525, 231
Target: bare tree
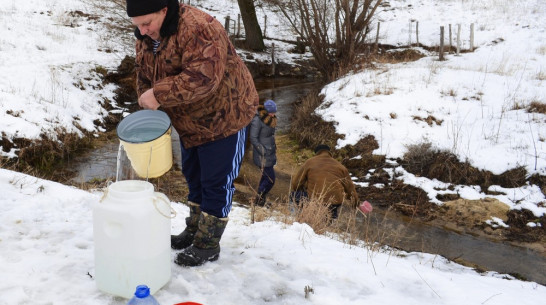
253, 32
334, 30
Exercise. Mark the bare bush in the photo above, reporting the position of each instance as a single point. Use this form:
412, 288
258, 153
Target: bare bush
425, 160
335, 31
418, 156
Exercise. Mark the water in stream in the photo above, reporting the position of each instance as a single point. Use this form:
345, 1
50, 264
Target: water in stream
410, 234
414, 236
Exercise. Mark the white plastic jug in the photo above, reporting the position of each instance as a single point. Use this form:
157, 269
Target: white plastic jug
131, 229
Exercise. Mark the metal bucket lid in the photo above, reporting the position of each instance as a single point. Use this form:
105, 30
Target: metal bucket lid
143, 126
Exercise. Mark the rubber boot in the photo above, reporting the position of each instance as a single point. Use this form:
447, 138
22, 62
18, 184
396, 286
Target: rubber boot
333, 208
185, 239
206, 243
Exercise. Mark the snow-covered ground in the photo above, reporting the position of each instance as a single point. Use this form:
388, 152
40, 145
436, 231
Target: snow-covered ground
50, 56
46, 257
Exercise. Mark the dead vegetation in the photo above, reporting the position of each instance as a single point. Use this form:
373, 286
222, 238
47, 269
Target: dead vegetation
307, 128
351, 227
44, 156
427, 161
124, 78
519, 229
394, 56
537, 107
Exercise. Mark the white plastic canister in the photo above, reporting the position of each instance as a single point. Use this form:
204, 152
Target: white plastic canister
131, 229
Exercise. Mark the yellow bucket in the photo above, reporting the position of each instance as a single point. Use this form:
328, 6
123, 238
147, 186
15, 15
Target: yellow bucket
146, 138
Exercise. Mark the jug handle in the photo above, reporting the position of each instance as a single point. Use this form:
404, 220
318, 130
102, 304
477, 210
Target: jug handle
105, 189
162, 197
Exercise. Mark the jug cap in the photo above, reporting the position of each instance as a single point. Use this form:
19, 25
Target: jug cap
142, 291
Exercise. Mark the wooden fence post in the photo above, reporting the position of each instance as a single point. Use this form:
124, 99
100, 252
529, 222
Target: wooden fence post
472, 37
226, 24
417, 32
450, 39
410, 25
265, 25
273, 59
441, 43
238, 25
300, 46
458, 38
377, 38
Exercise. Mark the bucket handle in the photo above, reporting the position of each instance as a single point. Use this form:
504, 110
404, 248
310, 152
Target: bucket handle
160, 197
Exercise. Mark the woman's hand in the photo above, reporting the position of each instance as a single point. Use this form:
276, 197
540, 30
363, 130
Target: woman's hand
147, 100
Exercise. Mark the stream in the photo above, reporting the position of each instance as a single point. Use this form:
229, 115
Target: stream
390, 229
413, 236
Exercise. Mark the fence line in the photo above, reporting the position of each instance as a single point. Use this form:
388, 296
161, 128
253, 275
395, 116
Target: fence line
233, 28
471, 47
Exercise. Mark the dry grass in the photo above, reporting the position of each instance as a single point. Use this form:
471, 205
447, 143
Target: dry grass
427, 161
537, 107
372, 231
541, 75
46, 154
398, 56
429, 120
315, 214
307, 128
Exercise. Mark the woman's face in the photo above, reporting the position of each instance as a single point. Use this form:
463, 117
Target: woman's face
150, 24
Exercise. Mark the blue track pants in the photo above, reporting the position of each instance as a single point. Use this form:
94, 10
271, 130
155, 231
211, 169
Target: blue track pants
210, 170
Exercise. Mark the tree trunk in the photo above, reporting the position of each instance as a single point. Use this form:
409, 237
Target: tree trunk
253, 32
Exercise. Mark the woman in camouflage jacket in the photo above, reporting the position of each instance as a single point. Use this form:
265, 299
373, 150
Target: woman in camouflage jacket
187, 67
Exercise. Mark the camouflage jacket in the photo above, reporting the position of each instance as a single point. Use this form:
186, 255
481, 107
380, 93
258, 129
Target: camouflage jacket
198, 78
325, 179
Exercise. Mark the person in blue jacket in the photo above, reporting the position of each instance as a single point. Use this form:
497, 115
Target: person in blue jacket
264, 149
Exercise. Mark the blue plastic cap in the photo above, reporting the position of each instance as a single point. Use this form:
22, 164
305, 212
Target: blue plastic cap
142, 291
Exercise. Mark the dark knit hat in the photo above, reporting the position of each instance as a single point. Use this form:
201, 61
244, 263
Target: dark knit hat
321, 147
270, 106
144, 7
